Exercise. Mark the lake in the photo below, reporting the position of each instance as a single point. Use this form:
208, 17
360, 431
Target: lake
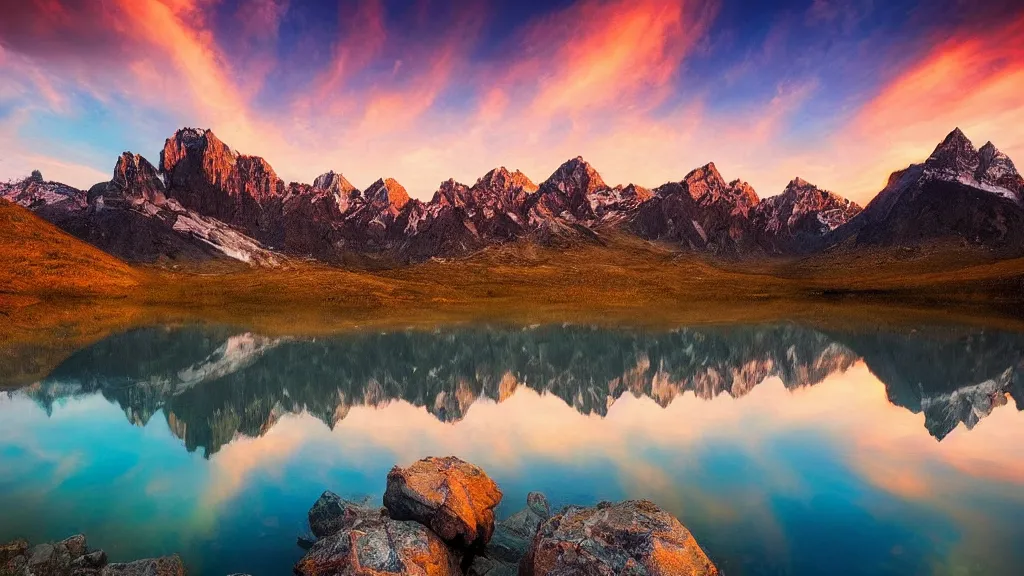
785, 449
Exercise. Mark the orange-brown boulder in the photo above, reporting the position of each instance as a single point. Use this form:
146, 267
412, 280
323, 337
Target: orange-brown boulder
453, 498
375, 545
632, 538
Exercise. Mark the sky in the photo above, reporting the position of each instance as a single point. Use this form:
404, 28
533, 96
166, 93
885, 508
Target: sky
838, 93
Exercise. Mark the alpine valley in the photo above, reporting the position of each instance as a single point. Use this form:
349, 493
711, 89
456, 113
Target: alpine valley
216, 232
205, 201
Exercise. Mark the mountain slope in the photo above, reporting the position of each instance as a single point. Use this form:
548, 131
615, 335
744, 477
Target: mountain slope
958, 193
701, 212
801, 219
210, 202
132, 217
41, 259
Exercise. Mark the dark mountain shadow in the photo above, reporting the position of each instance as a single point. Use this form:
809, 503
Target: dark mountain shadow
212, 384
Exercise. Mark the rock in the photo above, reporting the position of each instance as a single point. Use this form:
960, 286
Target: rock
12, 549
331, 513
16, 566
165, 566
484, 566
538, 503
92, 560
453, 498
511, 539
379, 546
75, 546
512, 536
630, 538
48, 559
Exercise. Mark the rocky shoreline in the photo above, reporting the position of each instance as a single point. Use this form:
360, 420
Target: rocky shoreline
438, 519
72, 557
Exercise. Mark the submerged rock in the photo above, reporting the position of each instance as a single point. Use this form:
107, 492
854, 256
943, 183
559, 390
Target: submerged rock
485, 566
72, 557
511, 539
332, 513
453, 498
165, 566
373, 544
12, 550
630, 538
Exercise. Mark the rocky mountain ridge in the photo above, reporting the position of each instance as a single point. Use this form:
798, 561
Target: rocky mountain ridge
958, 192
207, 200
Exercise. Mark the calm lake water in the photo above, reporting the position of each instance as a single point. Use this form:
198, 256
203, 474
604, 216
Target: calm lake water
785, 449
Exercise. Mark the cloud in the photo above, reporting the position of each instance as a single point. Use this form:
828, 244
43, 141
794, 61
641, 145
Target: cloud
427, 93
968, 78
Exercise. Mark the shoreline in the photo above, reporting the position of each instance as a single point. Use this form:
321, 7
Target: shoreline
437, 519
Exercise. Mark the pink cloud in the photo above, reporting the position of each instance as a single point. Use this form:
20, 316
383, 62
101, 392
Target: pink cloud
598, 78
969, 79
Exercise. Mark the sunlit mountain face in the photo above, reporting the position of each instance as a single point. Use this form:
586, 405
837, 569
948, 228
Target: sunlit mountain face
772, 443
840, 93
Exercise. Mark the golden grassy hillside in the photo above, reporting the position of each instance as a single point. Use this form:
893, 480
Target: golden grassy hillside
38, 259
627, 281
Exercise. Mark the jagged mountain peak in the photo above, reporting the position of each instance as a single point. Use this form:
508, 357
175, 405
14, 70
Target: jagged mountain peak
503, 179
990, 156
188, 135
955, 155
135, 180
744, 192
799, 182
450, 193
576, 172
387, 191
800, 190
705, 183
334, 182
639, 192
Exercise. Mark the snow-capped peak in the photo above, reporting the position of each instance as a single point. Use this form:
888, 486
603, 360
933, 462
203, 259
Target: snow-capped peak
988, 169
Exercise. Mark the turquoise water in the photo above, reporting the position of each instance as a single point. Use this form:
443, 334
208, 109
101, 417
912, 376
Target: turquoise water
785, 450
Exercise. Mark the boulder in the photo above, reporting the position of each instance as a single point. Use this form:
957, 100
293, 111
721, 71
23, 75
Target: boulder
630, 538
49, 559
71, 557
511, 539
331, 513
453, 498
91, 561
12, 550
75, 546
375, 545
484, 566
513, 535
165, 566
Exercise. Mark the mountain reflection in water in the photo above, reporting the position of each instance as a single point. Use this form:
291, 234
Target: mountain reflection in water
211, 384
819, 465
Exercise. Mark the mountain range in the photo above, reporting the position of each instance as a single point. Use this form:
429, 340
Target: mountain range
212, 384
206, 201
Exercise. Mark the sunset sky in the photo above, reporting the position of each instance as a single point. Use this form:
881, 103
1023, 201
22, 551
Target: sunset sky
839, 93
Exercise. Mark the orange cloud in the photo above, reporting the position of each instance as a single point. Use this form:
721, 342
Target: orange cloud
971, 79
362, 36
598, 78
607, 53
